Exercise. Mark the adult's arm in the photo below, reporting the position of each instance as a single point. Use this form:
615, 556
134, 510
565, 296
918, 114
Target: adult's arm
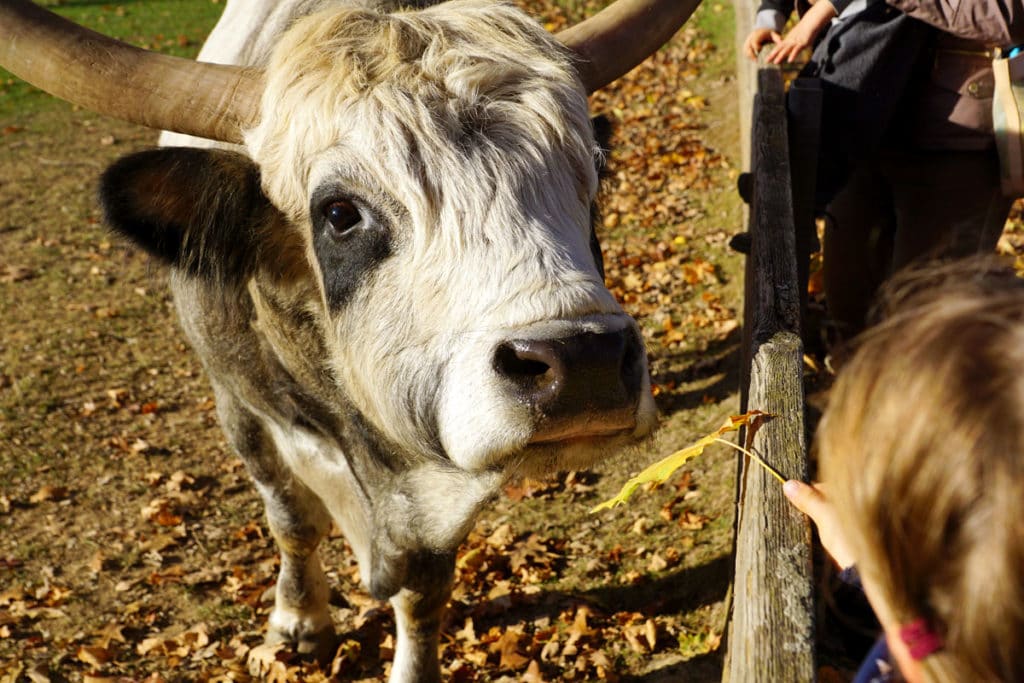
998, 23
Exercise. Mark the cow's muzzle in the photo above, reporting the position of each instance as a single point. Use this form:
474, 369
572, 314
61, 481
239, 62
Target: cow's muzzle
583, 386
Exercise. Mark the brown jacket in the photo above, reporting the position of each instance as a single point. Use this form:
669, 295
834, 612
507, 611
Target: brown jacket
988, 22
954, 107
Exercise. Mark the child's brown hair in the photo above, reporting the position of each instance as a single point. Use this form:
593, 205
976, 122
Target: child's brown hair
922, 446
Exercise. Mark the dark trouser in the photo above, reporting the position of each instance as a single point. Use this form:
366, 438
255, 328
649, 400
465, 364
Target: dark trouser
904, 208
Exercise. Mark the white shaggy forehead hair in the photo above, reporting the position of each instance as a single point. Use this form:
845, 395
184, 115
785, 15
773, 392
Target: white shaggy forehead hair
454, 106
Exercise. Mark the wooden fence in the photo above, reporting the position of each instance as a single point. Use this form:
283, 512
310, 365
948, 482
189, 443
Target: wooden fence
771, 635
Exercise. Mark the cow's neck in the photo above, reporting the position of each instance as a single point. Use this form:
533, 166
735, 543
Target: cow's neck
416, 505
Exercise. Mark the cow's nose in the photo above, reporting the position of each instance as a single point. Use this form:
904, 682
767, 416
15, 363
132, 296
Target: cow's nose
584, 385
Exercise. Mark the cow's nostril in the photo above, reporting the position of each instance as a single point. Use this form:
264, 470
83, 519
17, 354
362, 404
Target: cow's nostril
521, 360
532, 365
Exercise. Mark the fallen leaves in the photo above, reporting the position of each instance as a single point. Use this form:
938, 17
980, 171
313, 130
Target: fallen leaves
181, 496
508, 646
641, 634
12, 273
575, 483
94, 656
180, 644
502, 570
49, 493
163, 511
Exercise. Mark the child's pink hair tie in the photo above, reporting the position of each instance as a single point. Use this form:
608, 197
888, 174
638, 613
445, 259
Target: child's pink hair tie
920, 639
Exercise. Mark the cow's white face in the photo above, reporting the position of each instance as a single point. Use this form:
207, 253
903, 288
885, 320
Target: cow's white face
445, 199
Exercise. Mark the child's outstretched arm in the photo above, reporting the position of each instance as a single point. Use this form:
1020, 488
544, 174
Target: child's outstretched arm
802, 36
812, 501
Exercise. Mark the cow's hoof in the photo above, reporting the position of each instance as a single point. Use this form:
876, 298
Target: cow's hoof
320, 645
310, 634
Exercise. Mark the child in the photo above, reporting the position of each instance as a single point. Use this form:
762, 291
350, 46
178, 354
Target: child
922, 449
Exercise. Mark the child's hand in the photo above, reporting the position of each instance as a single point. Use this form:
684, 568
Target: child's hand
758, 38
803, 34
811, 501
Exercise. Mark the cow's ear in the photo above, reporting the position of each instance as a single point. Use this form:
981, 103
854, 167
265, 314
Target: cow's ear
603, 130
201, 211
603, 136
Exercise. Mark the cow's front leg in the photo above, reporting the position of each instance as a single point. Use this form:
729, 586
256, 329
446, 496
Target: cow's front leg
300, 616
298, 521
419, 608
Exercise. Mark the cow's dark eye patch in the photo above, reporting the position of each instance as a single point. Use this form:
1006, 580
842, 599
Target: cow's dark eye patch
349, 238
342, 215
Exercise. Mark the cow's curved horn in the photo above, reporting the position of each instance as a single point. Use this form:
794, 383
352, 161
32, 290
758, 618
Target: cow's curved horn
622, 35
110, 77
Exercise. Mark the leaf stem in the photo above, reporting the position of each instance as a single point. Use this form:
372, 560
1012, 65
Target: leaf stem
771, 470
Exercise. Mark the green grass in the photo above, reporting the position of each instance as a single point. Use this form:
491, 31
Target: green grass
717, 20
176, 27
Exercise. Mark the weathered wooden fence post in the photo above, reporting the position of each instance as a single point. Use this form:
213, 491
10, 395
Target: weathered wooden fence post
771, 636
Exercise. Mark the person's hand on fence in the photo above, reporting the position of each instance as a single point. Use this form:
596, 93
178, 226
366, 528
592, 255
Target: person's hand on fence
802, 36
757, 39
812, 501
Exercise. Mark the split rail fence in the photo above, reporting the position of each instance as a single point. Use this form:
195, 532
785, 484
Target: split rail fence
771, 636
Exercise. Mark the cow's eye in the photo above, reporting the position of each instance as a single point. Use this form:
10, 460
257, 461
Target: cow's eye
342, 216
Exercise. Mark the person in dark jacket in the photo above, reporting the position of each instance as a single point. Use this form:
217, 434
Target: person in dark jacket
908, 169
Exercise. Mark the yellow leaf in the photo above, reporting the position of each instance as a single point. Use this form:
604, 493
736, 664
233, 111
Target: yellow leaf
663, 469
94, 656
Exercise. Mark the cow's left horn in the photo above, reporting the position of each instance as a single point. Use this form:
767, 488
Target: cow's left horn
619, 37
110, 77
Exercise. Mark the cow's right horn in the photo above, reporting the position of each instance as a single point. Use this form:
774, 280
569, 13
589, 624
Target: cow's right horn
110, 77
622, 35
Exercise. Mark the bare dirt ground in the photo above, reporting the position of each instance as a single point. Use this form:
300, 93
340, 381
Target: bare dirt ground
132, 546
